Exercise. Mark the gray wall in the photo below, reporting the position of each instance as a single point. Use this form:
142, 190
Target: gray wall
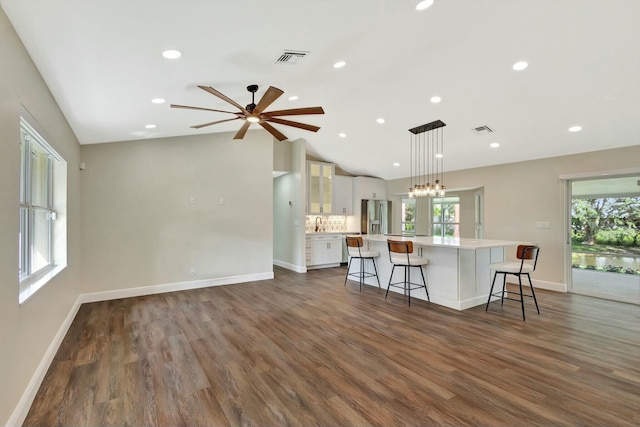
152, 212
517, 195
289, 219
26, 331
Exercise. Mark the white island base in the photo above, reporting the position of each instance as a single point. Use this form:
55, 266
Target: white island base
458, 274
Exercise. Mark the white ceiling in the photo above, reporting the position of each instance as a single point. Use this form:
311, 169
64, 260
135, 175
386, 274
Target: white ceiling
102, 61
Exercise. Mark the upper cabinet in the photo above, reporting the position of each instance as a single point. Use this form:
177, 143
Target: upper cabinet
368, 188
342, 195
320, 187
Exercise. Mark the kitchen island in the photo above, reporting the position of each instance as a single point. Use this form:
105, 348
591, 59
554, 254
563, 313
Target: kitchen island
458, 274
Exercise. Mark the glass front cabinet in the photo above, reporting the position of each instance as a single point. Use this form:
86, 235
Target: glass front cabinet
319, 187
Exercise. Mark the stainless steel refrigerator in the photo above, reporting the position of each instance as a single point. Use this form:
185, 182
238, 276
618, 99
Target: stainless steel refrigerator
375, 217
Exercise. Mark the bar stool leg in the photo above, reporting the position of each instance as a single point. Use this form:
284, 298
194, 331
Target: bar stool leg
425, 283
390, 279
493, 282
504, 286
521, 296
348, 269
376, 271
533, 293
408, 283
361, 272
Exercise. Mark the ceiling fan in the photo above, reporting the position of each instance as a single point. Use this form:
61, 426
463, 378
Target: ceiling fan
253, 113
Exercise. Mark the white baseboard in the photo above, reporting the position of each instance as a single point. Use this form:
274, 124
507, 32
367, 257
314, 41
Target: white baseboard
292, 267
541, 284
24, 404
172, 287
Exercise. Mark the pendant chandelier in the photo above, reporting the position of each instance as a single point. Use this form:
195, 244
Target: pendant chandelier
427, 150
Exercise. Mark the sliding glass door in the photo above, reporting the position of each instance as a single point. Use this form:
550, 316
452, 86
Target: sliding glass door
605, 238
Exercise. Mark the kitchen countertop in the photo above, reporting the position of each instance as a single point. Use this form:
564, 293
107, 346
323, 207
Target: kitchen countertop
330, 232
447, 242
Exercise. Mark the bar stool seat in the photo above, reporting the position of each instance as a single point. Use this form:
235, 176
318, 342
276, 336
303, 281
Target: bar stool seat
401, 255
355, 249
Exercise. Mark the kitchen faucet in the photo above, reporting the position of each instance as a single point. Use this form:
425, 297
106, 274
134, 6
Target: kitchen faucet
318, 218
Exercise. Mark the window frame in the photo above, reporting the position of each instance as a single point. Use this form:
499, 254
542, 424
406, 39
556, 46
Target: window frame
443, 201
404, 230
41, 242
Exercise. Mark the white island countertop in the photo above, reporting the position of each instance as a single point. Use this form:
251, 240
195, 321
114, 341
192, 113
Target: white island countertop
446, 242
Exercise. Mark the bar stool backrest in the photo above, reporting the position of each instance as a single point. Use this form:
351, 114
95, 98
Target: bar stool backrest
528, 252
400, 247
354, 242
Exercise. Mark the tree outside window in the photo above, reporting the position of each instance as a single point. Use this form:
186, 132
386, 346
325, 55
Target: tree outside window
446, 216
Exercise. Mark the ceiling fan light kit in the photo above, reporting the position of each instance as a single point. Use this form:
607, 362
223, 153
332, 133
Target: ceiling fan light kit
255, 113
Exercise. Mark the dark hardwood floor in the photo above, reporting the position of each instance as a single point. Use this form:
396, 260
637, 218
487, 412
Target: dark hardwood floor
301, 350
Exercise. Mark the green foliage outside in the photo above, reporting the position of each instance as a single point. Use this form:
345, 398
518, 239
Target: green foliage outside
606, 226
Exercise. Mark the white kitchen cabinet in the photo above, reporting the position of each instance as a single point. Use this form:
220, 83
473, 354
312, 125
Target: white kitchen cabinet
319, 187
308, 250
342, 195
326, 250
368, 188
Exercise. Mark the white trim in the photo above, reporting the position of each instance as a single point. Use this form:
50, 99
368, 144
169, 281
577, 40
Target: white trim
292, 267
24, 404
173, 287
541, 284
596, 174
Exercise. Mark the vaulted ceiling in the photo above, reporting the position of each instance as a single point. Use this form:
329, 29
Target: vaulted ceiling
102, 62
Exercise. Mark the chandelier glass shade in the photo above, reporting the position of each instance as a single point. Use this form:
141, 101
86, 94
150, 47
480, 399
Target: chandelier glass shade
426, 163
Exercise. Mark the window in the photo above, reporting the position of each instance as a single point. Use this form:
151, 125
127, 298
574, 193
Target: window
41, 170
409, 216
446, 216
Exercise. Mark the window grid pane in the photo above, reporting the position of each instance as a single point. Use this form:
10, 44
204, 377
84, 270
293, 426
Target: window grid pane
40, 240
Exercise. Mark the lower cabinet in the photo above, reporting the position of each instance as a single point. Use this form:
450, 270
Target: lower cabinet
323, 250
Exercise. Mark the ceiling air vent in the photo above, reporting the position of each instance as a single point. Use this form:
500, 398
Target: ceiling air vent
482, 130
291, 57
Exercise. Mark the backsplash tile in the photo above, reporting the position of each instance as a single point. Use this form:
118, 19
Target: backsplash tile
330, 223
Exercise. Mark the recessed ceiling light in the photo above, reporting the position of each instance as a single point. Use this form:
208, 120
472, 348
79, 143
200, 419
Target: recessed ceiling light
172, 54
435, 99
494, 145
150, 126
519, 66
575, 128
293, 98
424, 4
339, 64
396, 164
380, 120
158, 100
342, 135
439, 155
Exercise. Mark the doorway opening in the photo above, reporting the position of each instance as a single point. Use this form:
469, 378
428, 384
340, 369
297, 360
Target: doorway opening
605, 238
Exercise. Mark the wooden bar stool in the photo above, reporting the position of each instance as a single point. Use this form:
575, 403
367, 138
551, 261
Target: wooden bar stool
522, 268
355, 250
401, 255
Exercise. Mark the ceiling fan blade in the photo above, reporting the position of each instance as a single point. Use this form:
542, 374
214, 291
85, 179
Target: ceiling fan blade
294, 112
267, 99
304, 126
242, 130
222, 96
213, 123
273, 131
200, 108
